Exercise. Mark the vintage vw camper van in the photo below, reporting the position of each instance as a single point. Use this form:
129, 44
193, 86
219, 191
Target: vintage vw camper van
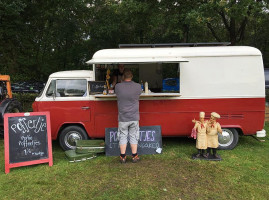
225, 79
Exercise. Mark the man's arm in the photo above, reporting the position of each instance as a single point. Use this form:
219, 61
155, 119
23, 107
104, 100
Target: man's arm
116, 90
114, 81
139, 90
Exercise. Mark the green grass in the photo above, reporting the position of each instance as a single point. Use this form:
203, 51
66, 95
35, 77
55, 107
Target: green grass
243, 174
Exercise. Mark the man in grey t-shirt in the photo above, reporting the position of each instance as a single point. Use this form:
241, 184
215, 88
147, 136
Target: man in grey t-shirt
128, 93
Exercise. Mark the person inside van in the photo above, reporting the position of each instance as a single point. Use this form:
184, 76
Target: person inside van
117, 76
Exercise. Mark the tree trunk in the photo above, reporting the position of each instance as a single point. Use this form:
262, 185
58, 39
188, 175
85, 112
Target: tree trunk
232, 32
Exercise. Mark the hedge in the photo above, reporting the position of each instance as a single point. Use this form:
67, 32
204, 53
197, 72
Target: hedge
26, 99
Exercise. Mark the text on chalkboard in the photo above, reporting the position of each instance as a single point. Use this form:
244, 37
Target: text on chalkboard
96, 87
150, 141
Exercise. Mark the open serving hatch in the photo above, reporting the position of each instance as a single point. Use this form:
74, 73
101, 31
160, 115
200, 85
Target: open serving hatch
157, 66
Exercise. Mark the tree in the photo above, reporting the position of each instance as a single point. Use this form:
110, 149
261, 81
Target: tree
38, 38
227, 19
41, 37
10, 34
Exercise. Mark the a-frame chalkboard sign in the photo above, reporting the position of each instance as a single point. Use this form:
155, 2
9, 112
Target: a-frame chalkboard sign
27, 139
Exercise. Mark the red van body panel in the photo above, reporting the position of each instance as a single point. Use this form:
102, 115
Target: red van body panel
174, 116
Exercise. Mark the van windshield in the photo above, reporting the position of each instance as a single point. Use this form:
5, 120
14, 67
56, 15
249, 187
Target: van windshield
161, 77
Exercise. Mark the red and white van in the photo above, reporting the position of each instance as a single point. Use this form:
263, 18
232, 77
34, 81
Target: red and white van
226, 79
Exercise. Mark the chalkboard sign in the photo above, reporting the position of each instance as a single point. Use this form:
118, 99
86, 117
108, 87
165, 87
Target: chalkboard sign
96, 87
27, 139
150, 141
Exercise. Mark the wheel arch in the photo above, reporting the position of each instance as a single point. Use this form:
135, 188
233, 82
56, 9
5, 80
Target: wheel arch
238, 128
65, 125
240, 131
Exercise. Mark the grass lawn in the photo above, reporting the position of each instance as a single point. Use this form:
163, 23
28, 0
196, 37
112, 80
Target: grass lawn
243, 174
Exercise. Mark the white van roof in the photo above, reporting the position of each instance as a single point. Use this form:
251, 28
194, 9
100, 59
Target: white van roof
171, 54
73, 74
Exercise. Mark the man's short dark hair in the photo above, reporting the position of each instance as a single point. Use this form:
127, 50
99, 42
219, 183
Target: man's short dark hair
127, 73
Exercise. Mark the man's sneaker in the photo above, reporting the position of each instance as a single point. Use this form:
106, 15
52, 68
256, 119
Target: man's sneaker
123, 159
135, 159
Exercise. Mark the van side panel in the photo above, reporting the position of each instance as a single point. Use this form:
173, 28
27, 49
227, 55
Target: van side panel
66, 112
222, 77
175, 116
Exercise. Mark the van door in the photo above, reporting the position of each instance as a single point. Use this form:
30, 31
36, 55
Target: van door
67, 103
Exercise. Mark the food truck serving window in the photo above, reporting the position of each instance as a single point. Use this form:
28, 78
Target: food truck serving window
161, 77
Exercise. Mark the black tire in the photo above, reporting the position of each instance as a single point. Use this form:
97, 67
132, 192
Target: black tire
1, 132
14, 107
228, 139
70, 135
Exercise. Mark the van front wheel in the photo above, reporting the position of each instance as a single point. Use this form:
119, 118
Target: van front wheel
228, 139
70, 135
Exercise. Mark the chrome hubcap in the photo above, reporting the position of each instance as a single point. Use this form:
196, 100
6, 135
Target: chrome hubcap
71, 138
226, 138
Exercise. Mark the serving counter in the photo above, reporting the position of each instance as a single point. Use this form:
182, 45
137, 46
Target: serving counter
143, 95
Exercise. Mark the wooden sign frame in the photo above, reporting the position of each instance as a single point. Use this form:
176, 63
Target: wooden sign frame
9, 165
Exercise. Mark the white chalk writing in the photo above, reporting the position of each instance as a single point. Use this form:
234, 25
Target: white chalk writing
140, 145
39, 153
98, 86
29, 151
148, 145
145, 136
24, 125
28, 142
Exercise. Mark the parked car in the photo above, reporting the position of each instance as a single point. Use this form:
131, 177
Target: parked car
27, 87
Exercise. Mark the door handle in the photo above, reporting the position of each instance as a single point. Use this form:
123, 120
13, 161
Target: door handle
85, 108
